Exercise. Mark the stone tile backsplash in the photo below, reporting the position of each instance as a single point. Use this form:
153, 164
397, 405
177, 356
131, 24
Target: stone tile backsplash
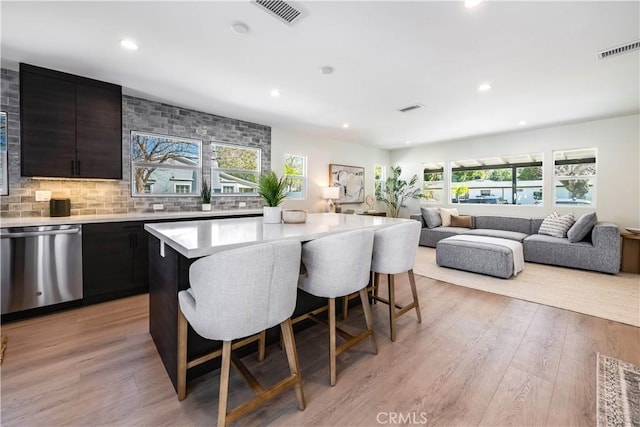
114, 197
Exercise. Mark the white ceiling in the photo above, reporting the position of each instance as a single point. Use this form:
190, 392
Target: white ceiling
540, 58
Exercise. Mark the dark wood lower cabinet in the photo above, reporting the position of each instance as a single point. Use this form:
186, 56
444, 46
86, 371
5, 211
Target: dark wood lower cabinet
114, 261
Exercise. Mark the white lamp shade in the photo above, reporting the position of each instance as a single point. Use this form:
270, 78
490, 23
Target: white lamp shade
330, 192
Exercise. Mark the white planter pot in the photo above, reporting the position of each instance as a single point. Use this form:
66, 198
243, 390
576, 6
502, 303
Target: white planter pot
272, 214
206, 206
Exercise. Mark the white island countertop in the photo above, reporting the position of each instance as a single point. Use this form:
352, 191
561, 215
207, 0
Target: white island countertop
139, 216
195, 239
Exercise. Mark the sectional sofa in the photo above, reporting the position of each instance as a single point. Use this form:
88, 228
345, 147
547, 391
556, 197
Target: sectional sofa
599, 251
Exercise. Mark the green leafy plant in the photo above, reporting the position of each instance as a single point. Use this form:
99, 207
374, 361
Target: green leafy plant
205, 193
395, 191
272, 189
460, 191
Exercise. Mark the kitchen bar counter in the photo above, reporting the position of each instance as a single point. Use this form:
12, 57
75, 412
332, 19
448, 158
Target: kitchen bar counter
136, 216
173, 247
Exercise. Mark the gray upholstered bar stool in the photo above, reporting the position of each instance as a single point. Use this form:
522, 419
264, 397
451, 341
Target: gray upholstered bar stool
237, 294
394, 252
339, 265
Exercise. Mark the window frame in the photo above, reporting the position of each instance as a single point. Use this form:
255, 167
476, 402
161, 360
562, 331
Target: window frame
302, 177
213, 169
379, 184
442, 188
159, 165
591, 178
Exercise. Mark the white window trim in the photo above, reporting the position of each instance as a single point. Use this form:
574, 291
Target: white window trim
230, 171
302, 177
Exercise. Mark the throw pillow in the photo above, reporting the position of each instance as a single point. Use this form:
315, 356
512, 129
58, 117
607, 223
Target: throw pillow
582, 227
431, 217
462, 221
445, 215
557, 225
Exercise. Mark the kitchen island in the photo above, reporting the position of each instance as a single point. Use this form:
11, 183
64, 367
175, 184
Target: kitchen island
174, 246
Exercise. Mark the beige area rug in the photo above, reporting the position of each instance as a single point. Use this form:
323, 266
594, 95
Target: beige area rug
597, 294
618, 401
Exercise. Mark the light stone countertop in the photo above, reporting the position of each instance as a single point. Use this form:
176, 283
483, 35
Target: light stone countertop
146, 216
195, 239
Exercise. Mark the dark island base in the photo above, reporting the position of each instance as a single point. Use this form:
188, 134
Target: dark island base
170, 274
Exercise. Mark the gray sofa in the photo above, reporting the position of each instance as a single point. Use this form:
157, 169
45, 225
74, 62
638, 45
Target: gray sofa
599, 251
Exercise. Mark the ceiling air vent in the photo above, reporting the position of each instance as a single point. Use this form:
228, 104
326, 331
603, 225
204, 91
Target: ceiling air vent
411, 108
619, 50
280, 9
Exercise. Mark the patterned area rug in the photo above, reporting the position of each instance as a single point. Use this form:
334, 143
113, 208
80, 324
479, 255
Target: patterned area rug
618, 401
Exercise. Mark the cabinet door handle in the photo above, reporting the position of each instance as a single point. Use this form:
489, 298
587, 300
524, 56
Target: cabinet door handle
73, 169
78, 167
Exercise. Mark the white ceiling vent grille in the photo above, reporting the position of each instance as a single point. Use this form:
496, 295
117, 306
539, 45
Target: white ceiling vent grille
280, 9
411, 108
619, 50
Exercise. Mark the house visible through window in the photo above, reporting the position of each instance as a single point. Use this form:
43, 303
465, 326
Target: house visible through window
504, 180
234, 169
165, 165
575, 177
295, 171
432, 182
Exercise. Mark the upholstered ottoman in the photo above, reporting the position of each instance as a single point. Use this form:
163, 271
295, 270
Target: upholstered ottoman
479, 254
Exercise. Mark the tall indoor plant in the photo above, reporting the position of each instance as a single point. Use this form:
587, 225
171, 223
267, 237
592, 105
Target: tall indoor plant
273, 190
395, 191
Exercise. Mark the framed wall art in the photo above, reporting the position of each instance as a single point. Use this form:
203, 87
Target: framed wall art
350, 181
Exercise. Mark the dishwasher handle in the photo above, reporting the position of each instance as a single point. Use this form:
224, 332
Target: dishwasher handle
5, 235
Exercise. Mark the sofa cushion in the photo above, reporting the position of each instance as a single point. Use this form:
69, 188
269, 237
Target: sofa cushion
465, 221
502, 234
431, 217
557, 225
445, 215
582, 227
520, 225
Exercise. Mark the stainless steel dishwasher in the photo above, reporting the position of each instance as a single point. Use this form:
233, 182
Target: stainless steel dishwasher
40, 266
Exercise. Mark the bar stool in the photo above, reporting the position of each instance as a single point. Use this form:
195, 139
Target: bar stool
394, 252
338, 265
237, 294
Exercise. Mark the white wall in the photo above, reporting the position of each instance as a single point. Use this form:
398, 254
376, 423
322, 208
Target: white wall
320, 152
618, 177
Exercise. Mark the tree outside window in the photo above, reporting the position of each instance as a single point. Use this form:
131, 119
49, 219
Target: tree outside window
575, 177
379, 179
295, 172
234, 169
164, 165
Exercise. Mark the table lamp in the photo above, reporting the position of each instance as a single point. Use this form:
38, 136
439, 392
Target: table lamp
330, 193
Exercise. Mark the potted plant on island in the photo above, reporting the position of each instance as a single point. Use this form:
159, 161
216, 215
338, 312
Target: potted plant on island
273, 191
205, 194
396, 191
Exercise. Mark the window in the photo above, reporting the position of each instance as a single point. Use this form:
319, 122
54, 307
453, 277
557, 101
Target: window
4, 164
234, 169
575, 177
505, 180
379, 179
295, 172
433, 183
164, 165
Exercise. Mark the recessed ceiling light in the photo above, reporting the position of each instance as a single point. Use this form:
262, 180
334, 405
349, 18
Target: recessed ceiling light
484, 87
326, 70
471, 3
128, 44
240, 28
345, 125
275, 93
522, 122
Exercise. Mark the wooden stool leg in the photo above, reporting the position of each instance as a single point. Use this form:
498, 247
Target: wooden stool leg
368, 318
345, 306
224, 383
376, 286
332, 339
392, 305
261, 345
292, 358
412, 282
182, 355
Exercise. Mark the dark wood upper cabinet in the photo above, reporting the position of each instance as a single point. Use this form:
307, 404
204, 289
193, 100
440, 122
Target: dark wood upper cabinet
71, 126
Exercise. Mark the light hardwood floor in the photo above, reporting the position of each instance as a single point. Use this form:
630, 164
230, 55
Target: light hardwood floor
476, 359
